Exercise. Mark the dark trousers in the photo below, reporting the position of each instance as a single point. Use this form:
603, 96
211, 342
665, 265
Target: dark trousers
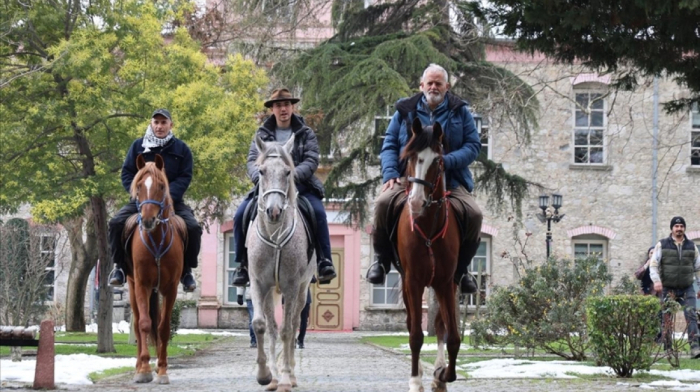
304, 318
249, 305
194, 233
322, 234
686, 298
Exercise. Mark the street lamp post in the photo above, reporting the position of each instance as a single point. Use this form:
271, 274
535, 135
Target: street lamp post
549, 214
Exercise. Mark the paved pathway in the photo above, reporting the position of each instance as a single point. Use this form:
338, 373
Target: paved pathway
335, 362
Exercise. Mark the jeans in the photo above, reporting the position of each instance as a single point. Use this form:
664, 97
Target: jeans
322, 234
304, 318
686, 298
249, 305
194, 233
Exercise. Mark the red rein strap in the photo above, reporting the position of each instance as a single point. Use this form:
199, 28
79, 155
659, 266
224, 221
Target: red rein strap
440, 234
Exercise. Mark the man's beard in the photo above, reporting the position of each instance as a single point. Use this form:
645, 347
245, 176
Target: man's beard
433, 99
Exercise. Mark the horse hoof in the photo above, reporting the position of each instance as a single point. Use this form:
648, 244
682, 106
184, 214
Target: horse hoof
162, 380
438, 386
294, 381
143, 377
266, 379
284, 388
272, 386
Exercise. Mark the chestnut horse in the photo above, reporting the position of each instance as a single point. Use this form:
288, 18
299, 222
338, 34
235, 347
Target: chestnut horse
428, 245
156, 265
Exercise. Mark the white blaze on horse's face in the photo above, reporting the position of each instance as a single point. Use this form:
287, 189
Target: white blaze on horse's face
417, 197
148, 183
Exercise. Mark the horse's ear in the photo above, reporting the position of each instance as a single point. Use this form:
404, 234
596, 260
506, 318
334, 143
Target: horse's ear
437, 132
289, 145
160, 163
259, 144
140, 162
417, 127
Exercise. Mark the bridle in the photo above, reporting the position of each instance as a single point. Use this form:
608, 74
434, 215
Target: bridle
160, 249
433, 187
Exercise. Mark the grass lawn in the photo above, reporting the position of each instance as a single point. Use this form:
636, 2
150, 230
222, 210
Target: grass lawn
86, 343
484, 354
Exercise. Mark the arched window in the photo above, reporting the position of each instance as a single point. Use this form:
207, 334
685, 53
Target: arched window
590, 245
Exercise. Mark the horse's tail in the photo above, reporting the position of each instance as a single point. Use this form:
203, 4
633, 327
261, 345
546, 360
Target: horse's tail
154, 313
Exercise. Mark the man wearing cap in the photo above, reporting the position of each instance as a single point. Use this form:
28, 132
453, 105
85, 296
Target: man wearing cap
674, 267
279, 127
159, 139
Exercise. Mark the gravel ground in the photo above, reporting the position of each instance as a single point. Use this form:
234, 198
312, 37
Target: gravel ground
336, 362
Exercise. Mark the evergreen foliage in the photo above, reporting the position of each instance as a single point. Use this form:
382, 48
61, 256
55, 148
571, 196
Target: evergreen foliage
638, 37
622, 329
377, 57
546, 308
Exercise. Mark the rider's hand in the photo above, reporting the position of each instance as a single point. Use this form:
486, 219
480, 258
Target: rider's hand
390, 184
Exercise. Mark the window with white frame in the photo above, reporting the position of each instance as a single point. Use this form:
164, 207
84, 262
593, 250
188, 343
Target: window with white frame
590, 245
695, 136
381, 123
389, 293
481, 264
231, 265
589, 128
485, 137
47, 247
278, 8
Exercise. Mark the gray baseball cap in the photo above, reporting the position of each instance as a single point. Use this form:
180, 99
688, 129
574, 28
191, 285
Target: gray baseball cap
163, 112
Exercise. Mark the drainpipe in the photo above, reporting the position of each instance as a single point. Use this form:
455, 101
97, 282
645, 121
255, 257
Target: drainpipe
655, 163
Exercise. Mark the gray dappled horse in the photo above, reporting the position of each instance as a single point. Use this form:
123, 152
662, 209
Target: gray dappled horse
278, 262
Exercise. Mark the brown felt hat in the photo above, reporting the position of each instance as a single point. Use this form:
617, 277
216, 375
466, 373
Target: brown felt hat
279, 95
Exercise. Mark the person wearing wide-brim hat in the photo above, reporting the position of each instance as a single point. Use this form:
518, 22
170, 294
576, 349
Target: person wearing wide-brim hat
674, 267
279, 127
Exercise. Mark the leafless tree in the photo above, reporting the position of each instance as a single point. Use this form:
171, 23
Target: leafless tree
28, 268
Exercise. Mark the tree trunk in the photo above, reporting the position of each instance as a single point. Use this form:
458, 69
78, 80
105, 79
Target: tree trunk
105, 342
84, 258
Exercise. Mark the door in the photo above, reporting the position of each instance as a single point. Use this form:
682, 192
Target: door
327, 299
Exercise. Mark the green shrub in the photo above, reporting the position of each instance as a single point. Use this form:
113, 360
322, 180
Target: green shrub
175, 317
546, 309
627, 285
622, 329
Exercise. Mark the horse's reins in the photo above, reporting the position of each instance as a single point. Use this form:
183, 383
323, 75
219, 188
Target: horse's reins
414, 226
286, 236
150, 244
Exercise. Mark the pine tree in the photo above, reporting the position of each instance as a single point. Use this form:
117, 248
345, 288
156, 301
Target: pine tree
378, 56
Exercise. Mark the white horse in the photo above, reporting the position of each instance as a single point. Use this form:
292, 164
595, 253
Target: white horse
278, 263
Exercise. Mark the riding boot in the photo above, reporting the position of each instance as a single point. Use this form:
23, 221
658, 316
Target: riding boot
465, 281
187, 280
116, 277
382, 262
326, 271
240, 277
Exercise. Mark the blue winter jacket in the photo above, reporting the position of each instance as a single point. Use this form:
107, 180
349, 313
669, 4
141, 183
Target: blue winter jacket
462, 144
178, 165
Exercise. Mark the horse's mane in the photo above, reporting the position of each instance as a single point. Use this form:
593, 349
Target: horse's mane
278, 149
158, 175
418, 143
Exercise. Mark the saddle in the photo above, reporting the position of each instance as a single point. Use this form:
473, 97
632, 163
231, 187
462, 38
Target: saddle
308, 217
393, 213
130, 227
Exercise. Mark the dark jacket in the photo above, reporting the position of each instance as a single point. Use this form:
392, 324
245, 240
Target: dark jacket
462, 143
677, 265
178, 165
305, 154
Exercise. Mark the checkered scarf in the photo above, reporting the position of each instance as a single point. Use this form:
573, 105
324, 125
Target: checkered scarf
150, 140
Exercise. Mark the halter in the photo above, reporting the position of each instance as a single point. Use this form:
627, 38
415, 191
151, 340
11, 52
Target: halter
157, 251
433, 188
282, 238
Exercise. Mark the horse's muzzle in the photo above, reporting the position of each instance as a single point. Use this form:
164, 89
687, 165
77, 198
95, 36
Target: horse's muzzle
149, 224
273, 214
